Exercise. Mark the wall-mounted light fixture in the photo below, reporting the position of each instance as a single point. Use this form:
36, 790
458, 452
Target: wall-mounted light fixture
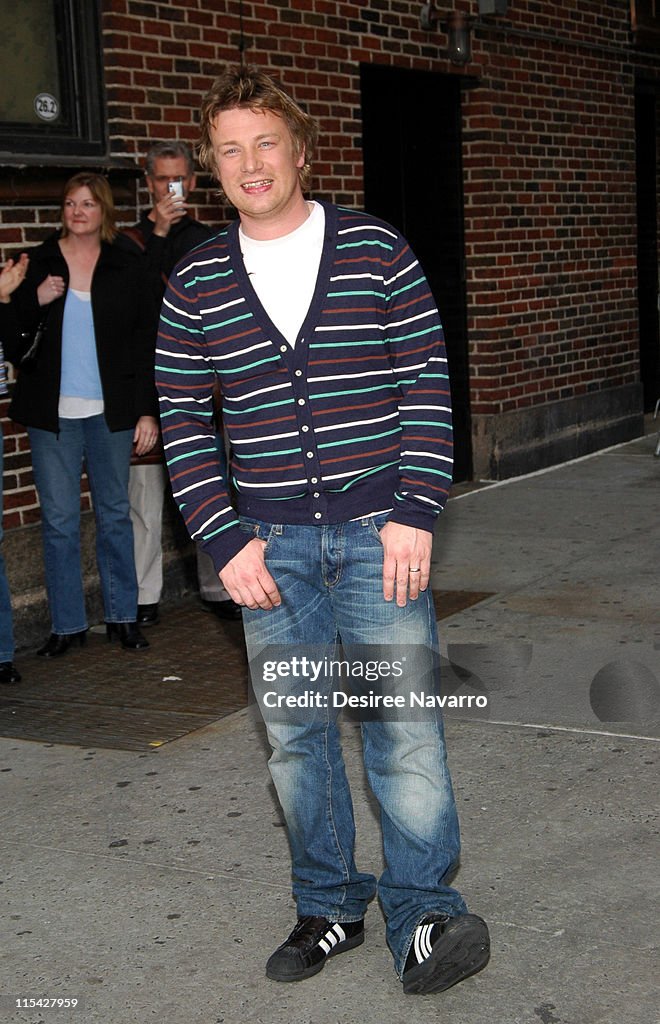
493, 6
458, 28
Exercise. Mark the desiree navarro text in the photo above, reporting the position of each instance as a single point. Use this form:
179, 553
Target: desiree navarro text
339, 699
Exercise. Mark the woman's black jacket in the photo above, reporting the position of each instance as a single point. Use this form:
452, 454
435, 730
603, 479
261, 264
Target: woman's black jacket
125, 325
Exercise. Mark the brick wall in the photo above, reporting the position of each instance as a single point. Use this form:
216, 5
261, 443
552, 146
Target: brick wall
549, 166
550, 203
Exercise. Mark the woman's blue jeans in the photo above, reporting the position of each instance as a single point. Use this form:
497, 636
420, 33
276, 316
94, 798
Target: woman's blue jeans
6, 621
330, 581
57, 461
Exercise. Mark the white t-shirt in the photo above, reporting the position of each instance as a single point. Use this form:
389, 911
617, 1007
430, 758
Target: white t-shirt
283, 271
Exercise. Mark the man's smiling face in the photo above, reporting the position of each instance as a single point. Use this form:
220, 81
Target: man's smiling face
258, 165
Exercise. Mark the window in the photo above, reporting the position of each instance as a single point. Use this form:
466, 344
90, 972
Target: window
51, 101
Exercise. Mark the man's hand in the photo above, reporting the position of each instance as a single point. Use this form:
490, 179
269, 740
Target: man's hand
170, 210
145, 434
407, 561
247, 580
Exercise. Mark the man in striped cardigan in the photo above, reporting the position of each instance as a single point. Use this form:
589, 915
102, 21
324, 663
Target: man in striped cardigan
321, 330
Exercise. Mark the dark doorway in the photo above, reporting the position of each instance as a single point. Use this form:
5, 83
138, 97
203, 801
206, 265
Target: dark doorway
411, 139
647, 245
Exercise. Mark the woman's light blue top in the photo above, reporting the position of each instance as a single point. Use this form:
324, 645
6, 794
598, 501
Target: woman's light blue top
80, 377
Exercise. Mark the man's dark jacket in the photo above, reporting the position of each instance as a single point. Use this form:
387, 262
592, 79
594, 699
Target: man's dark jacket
161, 255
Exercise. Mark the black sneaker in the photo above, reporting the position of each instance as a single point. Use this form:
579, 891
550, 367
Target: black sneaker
309, 945
445, 950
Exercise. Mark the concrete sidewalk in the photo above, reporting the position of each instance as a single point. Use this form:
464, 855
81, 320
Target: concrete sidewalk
153, 885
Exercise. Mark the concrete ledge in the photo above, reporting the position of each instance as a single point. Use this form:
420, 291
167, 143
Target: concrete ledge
510, 444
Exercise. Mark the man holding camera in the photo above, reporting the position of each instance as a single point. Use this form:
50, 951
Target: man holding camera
165, 234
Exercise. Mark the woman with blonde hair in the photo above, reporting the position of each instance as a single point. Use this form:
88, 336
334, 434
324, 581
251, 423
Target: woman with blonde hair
86, 396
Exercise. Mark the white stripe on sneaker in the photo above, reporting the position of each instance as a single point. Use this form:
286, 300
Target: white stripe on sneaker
422, 944
333, 936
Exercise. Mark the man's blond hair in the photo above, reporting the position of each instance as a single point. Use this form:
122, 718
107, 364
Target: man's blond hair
255, 90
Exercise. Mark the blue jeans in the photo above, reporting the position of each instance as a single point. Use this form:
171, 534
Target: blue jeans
57, 461
6, 622
330, 580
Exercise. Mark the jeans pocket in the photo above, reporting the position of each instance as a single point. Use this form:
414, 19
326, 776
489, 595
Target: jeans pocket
269, 531
376, 524
260, 530
249, 525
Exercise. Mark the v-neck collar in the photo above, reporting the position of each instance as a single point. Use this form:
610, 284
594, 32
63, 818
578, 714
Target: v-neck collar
246, 287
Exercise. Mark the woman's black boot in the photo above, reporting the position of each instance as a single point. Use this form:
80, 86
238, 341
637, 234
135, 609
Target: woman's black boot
128, 634
58, 644
9, 674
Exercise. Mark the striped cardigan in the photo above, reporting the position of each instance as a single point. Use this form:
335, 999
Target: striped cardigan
356, 418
